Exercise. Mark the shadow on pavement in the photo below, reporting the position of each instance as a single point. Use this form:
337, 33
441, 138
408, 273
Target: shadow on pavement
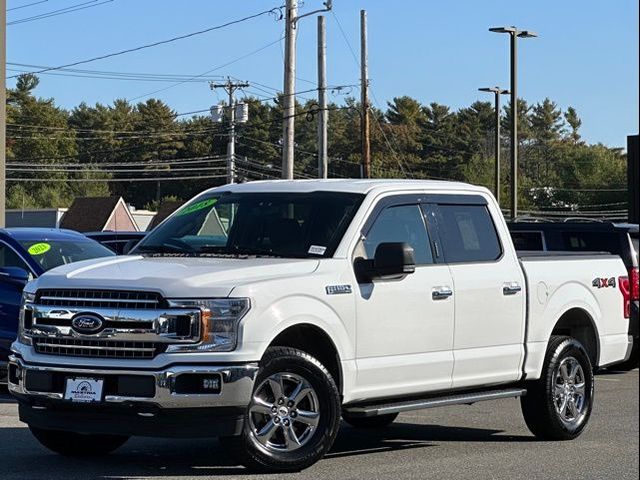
23, 457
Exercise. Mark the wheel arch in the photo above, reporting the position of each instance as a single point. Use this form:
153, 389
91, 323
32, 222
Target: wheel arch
578, 323
315, 341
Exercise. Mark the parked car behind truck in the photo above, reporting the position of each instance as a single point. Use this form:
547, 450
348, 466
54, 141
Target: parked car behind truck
585, 236
264, 312
26, 253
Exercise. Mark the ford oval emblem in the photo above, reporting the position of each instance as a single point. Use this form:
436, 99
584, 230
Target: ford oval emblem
87, 323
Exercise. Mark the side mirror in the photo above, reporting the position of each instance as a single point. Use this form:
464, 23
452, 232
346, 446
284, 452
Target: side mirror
391, 260
14, 275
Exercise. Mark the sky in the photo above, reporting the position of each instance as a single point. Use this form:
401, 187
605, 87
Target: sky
441, 51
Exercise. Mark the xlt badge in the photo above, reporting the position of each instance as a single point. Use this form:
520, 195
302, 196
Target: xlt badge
338, 289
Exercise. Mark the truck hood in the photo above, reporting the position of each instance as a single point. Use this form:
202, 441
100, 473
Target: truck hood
173, 277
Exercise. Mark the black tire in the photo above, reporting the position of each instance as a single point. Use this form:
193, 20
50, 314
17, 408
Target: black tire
265, 458
633, 361
540, 405
72, 444
378, 421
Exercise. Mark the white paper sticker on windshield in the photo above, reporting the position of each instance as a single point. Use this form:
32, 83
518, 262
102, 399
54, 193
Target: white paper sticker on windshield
317, 250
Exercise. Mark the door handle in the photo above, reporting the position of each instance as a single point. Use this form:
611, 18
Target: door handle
511, 288
441, 293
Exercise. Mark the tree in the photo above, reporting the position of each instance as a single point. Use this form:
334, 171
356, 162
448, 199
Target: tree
574, 121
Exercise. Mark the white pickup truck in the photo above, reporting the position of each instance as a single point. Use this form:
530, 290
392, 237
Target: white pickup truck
264, 312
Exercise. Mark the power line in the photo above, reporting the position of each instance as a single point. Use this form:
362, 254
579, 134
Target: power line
275, 10
27, 5
62, 11
114, 180
219, 67
169, 162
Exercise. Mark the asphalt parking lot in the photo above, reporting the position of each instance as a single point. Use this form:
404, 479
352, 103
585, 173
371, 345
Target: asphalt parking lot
486, 440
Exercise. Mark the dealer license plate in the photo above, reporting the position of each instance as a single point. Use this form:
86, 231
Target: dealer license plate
84, 390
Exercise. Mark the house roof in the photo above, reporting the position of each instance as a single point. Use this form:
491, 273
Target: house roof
166, 208
91, 214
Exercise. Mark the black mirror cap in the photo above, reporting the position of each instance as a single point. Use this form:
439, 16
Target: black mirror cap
394, 259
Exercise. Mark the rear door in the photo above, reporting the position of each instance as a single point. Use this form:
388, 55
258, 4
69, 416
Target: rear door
489, 293
404, 327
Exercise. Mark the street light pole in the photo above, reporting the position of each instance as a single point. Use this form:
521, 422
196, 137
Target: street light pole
497, 91
514, 35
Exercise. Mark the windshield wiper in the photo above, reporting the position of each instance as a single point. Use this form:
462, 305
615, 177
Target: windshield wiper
152, 249
248, 251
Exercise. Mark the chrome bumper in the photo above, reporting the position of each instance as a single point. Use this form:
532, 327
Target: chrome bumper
236, 385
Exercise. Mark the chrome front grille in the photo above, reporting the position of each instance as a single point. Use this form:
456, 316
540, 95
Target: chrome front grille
113, 299
76, 347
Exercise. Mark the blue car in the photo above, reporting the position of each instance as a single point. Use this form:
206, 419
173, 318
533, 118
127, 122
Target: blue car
26, 253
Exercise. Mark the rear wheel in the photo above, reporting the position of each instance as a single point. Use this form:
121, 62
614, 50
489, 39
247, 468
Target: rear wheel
73, 444
558, 406
294, 415
378, 421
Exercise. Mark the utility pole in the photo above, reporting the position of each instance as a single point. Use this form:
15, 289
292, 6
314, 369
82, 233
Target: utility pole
364, 97
497, 91
3, 107
289, 110
323, 117
514, 34
231, 87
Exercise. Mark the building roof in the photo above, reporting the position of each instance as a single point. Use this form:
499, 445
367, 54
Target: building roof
343, 185
91, 214
166, 208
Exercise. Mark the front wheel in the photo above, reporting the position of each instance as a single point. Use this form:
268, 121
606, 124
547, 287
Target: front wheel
294, 414
73, 444
558, 406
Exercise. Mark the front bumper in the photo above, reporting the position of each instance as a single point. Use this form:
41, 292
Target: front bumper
135, 402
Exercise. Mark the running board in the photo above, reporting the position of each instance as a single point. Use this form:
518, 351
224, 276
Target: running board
432, 402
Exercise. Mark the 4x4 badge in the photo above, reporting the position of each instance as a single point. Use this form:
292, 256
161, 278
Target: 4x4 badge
604, 282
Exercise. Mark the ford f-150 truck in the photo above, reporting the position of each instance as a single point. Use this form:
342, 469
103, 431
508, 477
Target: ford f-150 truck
264, 312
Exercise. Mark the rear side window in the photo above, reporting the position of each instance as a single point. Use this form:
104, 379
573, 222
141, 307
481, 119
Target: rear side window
527, 241
400, 224
592, 242
468, 234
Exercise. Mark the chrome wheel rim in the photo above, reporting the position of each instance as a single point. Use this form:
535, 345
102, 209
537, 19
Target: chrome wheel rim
570, 394
284, 412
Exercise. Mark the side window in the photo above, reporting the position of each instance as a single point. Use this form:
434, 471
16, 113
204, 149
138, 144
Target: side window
527, 241
9, 258
400, 224
468, 234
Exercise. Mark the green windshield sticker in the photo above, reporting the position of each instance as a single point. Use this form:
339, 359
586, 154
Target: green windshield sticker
198, 206
39, 248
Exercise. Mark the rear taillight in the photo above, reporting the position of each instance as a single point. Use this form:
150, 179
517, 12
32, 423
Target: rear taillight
633, 278
625, 288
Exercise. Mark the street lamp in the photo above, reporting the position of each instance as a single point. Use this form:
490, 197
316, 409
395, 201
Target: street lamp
514, 34
497, 91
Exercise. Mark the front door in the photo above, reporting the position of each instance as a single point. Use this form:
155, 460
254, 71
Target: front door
404, 329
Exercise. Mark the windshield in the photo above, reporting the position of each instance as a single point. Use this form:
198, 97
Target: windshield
53, 253
297, 225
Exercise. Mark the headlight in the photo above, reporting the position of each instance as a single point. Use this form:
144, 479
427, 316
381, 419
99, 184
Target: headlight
220, 319
25, 317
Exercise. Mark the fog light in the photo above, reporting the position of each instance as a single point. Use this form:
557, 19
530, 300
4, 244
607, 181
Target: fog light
202, 383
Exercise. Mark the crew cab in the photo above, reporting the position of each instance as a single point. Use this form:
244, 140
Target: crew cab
262, 313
